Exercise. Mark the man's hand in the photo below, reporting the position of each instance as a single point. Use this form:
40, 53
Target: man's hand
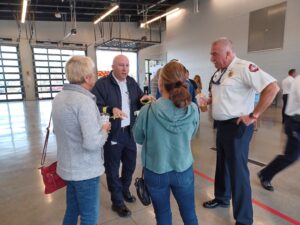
147, 98
117, 113
203, 100
209, 101
247, 120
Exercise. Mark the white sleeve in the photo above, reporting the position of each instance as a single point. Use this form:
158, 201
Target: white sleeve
256, 77
296, 87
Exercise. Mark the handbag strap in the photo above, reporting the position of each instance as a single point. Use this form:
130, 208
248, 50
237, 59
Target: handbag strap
146, 139
46, 142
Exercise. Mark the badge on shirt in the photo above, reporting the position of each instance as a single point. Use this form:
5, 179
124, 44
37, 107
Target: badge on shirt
253, 68
230, 74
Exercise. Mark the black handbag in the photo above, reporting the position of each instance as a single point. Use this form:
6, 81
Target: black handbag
141, 188
142, 191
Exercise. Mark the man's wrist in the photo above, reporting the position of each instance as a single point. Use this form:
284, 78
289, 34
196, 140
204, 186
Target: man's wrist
253, 116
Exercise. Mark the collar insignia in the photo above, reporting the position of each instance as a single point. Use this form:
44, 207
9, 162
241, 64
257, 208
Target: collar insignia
253, 68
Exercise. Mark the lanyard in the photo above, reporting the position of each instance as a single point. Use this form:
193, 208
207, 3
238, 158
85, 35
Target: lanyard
218, 82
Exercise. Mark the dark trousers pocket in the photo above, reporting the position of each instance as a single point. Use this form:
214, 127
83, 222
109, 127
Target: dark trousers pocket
240, 130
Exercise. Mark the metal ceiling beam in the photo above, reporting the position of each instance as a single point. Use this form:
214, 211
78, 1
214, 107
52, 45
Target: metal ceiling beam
55, 5
150, 7
86, 10
127, 2
77, 8
67, 12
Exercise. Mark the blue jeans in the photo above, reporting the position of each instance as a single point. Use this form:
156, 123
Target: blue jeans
83, 201
182, 186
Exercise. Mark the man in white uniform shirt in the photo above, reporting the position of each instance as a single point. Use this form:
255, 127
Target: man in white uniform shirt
233, 88
292, 147
286, 88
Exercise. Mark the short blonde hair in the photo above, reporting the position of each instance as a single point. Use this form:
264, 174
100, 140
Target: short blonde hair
77, 67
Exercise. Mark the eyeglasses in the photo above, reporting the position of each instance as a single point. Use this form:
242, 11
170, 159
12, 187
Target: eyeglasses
217, 82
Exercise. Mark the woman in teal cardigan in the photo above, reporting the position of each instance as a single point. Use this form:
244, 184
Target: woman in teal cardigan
165, 129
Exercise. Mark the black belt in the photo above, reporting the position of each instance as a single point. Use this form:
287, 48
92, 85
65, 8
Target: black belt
127, 128
295, 118
230, 121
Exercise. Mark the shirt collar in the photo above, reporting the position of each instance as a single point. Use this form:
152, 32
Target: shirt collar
232, 63
119, 82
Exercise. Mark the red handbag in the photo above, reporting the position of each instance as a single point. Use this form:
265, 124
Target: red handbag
52, 180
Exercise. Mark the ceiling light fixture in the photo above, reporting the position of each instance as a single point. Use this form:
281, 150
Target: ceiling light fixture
106, 14
24, 9
158, 17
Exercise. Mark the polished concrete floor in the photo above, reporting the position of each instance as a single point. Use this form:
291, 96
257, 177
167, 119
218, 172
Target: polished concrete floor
22, 201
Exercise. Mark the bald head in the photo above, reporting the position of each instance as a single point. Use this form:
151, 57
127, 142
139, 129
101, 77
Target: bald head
120, 67
222, 53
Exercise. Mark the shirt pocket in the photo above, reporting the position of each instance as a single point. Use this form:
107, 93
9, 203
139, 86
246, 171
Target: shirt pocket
232, 88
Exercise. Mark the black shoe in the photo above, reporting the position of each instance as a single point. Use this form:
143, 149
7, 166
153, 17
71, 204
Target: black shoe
266, 184
128, 197
214, 203
122, 210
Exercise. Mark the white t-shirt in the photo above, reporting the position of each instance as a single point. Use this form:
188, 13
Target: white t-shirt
235, 94
293, 104
286, 85
125, 101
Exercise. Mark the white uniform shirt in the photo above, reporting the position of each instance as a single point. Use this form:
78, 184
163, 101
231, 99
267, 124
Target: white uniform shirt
235, 94
293, 104
286, 85
125, 101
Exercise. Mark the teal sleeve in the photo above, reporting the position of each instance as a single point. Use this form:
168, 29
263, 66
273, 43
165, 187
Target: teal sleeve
138, 128
196, 122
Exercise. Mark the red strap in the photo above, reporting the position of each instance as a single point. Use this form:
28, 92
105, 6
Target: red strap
46, 142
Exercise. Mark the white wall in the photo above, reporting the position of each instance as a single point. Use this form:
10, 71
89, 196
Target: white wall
189, 35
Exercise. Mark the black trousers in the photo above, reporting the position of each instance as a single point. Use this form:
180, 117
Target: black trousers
291, 153
232, 173
124, 151
284, 99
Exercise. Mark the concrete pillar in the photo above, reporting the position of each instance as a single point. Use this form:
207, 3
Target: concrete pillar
27, 69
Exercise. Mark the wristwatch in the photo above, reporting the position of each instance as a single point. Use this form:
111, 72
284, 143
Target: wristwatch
251, 116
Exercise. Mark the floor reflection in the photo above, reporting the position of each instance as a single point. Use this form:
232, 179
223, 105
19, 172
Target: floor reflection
22, 124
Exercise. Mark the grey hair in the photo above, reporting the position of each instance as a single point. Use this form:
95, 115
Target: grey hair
224, 42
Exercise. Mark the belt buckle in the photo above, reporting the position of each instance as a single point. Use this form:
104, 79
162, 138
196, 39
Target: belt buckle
124, 128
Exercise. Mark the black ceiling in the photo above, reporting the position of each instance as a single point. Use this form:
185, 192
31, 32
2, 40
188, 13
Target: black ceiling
86, 10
